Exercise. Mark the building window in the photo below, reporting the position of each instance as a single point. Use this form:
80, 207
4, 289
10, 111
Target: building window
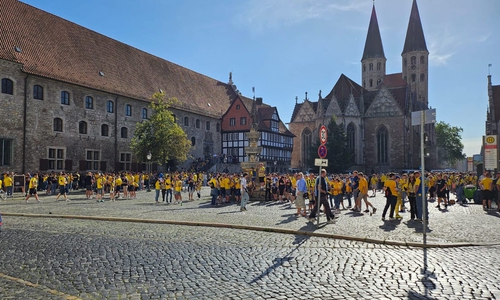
56, 158
413, 77
186, 121
243, 121
93, 159
370, 67
382, 143
7, 86
64, 98
379, 66
217, 127
207, 125
371, 82
104, 130
124, 132
110, 106
38, 92
232, 122
128, 110
237, 106
422, 77
82, 127
144, 113
413, 60
193, 141
422, 60
198, 123
89, 102
5, 152
125, 161
58, 124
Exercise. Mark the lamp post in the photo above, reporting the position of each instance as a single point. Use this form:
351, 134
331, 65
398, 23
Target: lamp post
149, 156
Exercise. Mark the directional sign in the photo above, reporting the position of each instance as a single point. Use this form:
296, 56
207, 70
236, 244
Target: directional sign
323, 135
322, 151
319, 162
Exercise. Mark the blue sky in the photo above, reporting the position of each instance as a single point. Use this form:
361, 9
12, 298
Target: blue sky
288, 47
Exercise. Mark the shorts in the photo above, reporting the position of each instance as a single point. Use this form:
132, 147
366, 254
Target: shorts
32, 191
88, 187
62, 189
223, 192
237, 192
118, 188
99, 191
131, 188
177, 193
487, 195
261, 179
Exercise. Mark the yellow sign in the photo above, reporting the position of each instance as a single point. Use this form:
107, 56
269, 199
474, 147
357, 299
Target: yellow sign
490, 139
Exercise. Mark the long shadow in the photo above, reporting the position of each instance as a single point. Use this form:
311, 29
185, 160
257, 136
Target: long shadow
418, 226
290, 218
390, 225
277, 262
493, 213
426, 280
354, 214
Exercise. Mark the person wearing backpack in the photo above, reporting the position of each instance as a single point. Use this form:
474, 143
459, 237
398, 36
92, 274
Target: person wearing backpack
391, 194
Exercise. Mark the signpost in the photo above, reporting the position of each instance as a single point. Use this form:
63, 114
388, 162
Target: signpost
490, 152
321, 162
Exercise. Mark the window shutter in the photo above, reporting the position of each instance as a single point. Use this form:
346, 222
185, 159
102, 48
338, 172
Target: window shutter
68, 165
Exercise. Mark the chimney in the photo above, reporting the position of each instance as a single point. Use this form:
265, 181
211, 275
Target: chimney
258, 100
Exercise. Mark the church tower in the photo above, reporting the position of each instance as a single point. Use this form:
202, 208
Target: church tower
415, 61
373, 61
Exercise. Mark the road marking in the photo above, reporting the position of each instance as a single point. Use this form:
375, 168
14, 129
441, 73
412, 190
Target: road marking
40, 287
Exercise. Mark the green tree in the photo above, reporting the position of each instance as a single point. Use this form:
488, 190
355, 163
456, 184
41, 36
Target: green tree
160, 134
449, 143
339, 155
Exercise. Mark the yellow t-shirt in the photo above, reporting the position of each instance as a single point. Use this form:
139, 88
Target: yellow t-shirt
178, 186
62, 180
487, 183
363, 185
33, 183
389, 183
7, 181
337, 187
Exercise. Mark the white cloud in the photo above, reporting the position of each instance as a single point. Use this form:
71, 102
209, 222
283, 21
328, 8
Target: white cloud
270, 14
442, 46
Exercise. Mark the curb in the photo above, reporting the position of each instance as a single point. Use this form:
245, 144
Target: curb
255, 228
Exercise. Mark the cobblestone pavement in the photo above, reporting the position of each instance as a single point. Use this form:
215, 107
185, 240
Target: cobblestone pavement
53, 258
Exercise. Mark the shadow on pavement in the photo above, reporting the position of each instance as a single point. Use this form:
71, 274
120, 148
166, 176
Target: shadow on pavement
390, 225
493, 213
418, 226
290, 218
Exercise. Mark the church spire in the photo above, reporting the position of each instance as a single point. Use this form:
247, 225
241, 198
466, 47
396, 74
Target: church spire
415, 40
373, 44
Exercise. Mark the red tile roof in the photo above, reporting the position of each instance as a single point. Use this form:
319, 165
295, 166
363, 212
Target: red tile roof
394, 80
56, 48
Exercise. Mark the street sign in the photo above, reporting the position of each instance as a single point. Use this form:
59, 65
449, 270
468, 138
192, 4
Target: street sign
322, 151
323, 135
429, 117
490, 152
319, 162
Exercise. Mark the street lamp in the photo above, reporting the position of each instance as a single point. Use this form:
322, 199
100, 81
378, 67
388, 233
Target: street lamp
149, 156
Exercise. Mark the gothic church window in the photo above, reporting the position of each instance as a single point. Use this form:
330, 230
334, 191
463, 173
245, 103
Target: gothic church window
207, 125
144, 113
64, 98
351, 138
422, 77
5, 152
128, 110
197, 123
193, 141
413, 77
371, 82
306, 144
422, 60
379, 66
124, 132
7, 86
413, 60
186, 121
370, 67
382, 145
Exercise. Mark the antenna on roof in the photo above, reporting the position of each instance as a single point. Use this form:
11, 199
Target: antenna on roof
253, 91
306, 96
296, 99
489, 66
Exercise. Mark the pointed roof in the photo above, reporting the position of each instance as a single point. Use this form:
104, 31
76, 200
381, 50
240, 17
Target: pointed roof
373, 44
415, 40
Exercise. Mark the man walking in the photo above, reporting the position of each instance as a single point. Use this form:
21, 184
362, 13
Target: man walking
300, 202
244, 192
322, 199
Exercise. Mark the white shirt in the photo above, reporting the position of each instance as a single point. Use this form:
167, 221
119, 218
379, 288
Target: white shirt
243, 184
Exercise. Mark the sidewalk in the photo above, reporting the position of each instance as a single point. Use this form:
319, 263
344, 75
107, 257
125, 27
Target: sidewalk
457, 224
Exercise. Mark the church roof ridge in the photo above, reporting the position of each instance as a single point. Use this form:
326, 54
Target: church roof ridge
415, 39
373, 44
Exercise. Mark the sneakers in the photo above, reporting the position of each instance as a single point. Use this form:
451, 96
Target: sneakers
366, 211
374, 210
383, 218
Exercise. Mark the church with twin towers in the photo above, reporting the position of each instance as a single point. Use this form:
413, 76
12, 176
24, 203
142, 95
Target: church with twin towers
376, 112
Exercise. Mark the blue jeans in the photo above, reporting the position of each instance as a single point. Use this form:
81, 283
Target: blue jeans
244, 199
9, 191
337, 200
157, 195
169, 192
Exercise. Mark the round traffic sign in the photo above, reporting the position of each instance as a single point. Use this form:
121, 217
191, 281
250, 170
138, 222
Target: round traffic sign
323, 135
322, 151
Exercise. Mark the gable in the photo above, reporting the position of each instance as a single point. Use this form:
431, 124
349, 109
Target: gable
333, 108
384, 105
306, 113
351, 109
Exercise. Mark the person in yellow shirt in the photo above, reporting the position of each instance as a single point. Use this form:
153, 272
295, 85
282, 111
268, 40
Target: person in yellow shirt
390, 184
62, 181
33, 185
7, 182
178, 190
363, 194
373, 184
336, 190
262, 174
100, 181
486, 185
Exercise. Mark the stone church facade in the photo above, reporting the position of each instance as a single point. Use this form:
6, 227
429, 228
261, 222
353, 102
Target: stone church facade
376, 114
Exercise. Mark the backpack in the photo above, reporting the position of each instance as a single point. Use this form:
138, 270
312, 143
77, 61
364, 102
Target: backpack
388, 192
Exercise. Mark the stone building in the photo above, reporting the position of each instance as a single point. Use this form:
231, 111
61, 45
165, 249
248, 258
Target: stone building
71, 97
376, 114
493, 113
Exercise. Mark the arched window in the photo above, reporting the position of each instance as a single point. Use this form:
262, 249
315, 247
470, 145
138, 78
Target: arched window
413, 77
422, 77
371, 82
64, 98
405, 63
124, 132
413, 60
104, 130
58, 124
144, 113
382, 145
38, 92
379, 66
7, 86
370, 67
128, 110
82, 127
207, 125
351, 139
89, 102
193, 141
364, 68
198, 123
306, 144
186, 121
110, 106
422, 60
